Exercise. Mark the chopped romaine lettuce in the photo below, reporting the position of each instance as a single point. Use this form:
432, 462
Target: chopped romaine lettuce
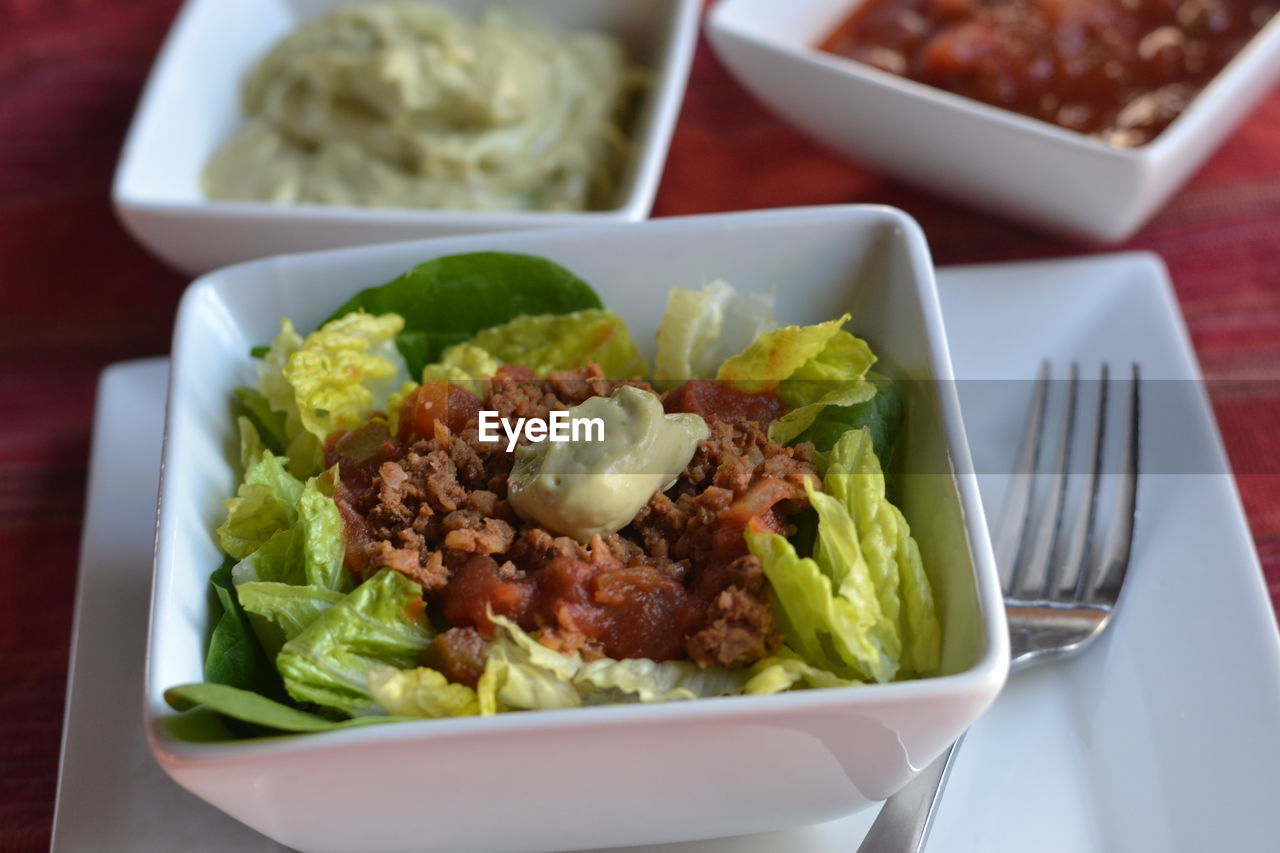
702, 328
279, 612
862, 606
324, 547
522, 674
830, 630
774, 356
264, 504
420, 692
464, 364
786, 670
882, 415
380, 622
278, 560
293, 608
855, 479
642, 680
549, 342
283, 531
330, 380
862, 574
809, 367
345, 369
834, 377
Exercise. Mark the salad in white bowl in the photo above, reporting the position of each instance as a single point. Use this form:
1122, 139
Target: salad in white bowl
467, 493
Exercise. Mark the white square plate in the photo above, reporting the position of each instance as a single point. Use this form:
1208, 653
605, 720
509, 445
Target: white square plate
1161, 737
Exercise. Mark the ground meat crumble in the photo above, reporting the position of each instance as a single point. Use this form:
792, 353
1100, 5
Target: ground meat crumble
676, 583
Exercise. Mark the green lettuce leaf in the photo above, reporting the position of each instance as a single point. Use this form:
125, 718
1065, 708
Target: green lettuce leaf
862, 606
278, 560
860, 572
799, 419
380, 622
420, 692
854, 478
463, 364
702, 328
263, 506
844, 359
882, 415
324, 547
305, 546
448, 300
303, 450
343, 370
786, 670
522, 674
547, 342
642, 680
775, 355
290, 607
833, 377
828, 629
329, 380
810, 367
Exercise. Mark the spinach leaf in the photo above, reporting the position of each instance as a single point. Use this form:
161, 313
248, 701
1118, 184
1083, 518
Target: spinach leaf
449, 299
258, 710
882, 414
235, 658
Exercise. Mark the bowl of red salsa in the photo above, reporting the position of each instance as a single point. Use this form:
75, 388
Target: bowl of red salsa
1082, 117
444, 646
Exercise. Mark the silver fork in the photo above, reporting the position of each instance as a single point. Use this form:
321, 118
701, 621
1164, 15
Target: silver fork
1060, 586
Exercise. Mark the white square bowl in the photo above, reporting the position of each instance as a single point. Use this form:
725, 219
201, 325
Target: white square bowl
191, 104
595, 776
1000, 161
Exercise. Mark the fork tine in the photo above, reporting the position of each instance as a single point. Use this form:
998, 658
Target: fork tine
1033, 572
1012, 526
1115, 558
1072, 575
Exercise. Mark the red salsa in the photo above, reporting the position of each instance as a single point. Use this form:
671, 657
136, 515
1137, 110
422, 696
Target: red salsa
1120, 70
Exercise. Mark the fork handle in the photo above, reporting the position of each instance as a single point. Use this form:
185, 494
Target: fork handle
905, 818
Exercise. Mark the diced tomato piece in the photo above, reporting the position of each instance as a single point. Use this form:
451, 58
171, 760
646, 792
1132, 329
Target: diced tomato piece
452, 405
712, 398
477, 588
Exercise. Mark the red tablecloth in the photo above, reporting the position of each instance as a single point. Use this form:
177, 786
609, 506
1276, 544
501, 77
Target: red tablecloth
77, 294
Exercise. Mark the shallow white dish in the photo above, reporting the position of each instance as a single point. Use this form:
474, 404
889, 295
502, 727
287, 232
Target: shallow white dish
1148, 742
711, 767
1000, 161
192, 103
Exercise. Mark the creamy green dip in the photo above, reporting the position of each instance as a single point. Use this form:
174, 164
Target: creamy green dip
408, 105
581, 488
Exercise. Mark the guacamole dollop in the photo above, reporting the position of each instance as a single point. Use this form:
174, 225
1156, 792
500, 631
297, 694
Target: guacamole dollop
587, 486
396, 104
